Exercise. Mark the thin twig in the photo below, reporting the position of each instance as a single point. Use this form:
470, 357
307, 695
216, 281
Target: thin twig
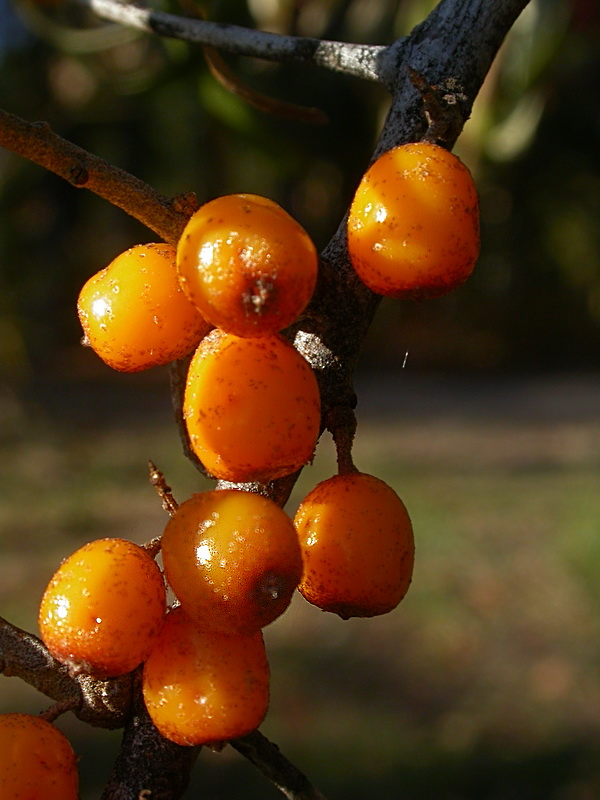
164, 491
225, 76
37, 142
269, 105
56, 710
358, 60
267, 757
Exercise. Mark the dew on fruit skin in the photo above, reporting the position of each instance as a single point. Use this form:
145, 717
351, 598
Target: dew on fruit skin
206, 254
100, 307
62, 607
312, 539
203, 554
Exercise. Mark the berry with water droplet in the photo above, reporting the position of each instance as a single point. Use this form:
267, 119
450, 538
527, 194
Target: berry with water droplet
232, 559
246, 264
134, 313
203, 687
103, 608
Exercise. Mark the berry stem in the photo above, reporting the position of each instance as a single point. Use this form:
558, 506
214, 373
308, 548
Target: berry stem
341, 423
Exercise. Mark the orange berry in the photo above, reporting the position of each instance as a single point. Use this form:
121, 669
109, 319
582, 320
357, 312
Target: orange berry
203, 687
251, 406
134, 313
36, 760
357, 546
103, 608
413, 227
247, 265
232, 559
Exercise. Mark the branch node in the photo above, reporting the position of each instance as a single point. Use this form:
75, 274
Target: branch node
77, 175
185, 203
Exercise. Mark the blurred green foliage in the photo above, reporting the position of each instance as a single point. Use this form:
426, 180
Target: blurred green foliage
152, 107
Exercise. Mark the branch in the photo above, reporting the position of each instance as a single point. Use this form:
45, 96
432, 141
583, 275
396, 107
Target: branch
148, 765
359, 60
454, 46
37, 142
104, 704
456, 43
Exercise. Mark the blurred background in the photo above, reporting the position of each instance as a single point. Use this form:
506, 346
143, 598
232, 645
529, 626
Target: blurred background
482, 409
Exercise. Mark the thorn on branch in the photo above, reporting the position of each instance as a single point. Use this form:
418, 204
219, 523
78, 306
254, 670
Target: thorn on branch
164, 491
444, 108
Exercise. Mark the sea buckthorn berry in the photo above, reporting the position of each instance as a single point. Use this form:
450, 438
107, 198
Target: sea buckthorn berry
247, 265
251, 406
103, 608
232, 559
134, 313
202, 687
36, 760
357, 546
413, 227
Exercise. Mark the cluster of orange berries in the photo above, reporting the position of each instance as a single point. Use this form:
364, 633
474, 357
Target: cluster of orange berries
242, 272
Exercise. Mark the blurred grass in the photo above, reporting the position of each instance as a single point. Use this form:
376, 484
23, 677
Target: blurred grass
484, 683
